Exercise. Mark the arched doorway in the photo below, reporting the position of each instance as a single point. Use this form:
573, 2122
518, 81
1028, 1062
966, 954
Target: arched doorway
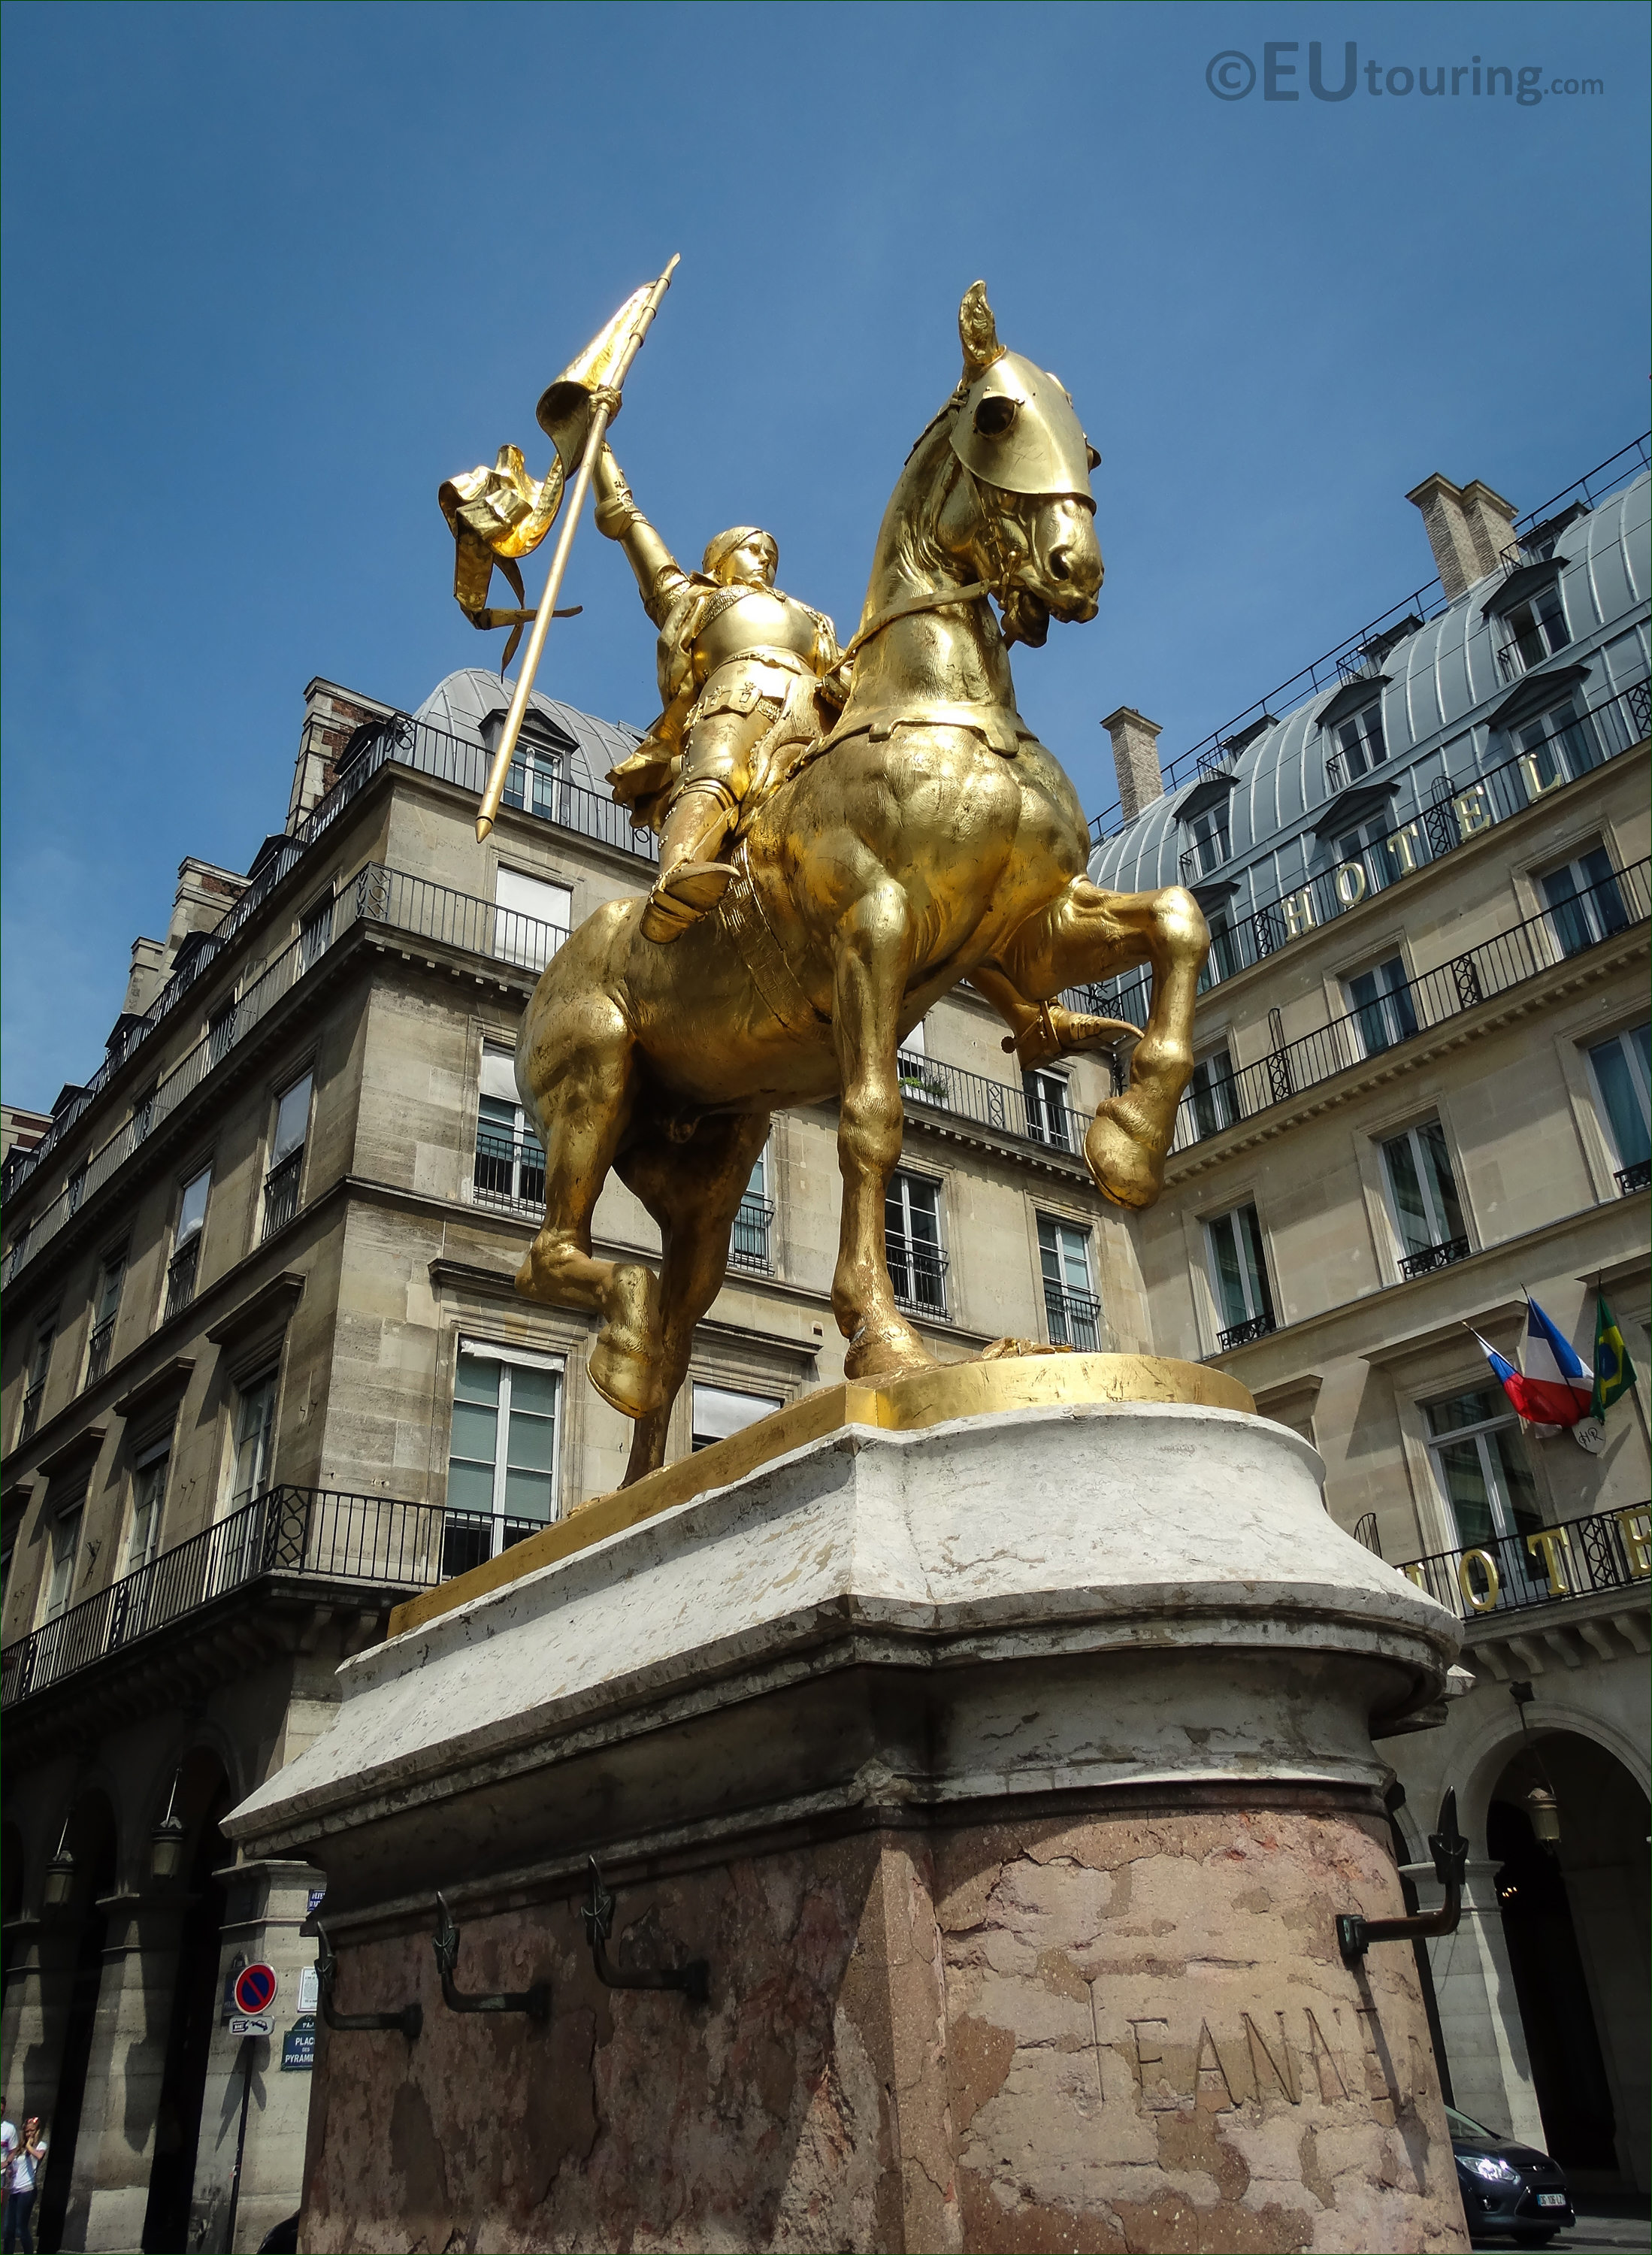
203, 1797
1573, 1915
90, 1840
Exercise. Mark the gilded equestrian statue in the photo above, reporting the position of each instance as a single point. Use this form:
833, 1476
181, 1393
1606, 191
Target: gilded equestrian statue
921, 837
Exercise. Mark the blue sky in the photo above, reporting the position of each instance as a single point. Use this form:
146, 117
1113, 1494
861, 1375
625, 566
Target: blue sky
271, 272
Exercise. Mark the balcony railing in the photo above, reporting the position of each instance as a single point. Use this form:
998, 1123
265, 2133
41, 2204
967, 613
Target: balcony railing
462, 920
315, 1532
401, 741
918, 1274
1479, 975
1254, 1328
510, 1171
1630, 1179
1459, 809
1428, 1257
1510, 1573
281, 1192
1074, 1318
97, 1349
31, 1416
180, 1277
1424, 603
971, 1096
749, 1243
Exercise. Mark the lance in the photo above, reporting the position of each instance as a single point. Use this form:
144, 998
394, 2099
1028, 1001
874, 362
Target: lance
604, 404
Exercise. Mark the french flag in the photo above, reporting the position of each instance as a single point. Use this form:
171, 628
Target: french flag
1554, 1389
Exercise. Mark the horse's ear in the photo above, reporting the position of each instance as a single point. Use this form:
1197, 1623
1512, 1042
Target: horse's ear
978, 333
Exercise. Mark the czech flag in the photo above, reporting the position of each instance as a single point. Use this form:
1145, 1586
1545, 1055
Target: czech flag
1554, 1389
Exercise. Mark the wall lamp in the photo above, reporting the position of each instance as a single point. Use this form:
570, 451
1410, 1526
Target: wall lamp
166, 1841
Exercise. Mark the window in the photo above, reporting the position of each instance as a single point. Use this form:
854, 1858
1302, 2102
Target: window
534, 781
1361, 741
1381, 1006
510, 1168
255, 1441
925, 1082
182, 1268
1621, 1077
315, 933
502, 1464
1239, 1277
1480, 1464
912, 1243
1583, 901
1369, 846
531, 918
104, 1311
1428, 1215
66, 1549
1211, 1094
1071, 1306
149, 1491
144, 1114
34, 1384
1559, 748
1533, 630
1223, 961
1208, 834
749, 1243
720, 1412
286, 1155
1048, 1118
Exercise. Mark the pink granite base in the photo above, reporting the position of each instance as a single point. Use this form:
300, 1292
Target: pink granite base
1126, 2031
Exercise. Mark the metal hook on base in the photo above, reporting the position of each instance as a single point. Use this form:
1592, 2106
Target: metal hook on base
693, 1979
1449, 1851
409, 2020
535, 2002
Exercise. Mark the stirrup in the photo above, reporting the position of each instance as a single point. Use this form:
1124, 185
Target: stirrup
690, 891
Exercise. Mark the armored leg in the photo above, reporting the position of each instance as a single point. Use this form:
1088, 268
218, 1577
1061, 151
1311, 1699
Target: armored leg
692, 881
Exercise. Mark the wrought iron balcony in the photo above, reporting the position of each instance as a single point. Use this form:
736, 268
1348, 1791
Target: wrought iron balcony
1435, 1256
316, 1532
508, 1172
180, 1277
1510, 1573
1257, 1327
1630, 1179
1073, 1317
281, 1192
918, 1274
749, 1244
1028, 1116
97, 1349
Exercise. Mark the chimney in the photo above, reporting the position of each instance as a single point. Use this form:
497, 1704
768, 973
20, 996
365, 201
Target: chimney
1468, 528
148, 976
1136, 759
332, 716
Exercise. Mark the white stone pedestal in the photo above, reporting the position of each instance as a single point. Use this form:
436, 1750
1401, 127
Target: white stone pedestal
1011, 1773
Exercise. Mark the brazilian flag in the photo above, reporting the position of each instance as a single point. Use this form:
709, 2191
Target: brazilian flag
1614, 1372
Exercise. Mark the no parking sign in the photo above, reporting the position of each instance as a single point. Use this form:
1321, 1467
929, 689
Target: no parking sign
255, 1989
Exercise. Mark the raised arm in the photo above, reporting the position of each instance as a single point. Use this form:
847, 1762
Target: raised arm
659, 577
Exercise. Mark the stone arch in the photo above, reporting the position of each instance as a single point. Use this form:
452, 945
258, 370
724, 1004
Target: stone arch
1482, 1761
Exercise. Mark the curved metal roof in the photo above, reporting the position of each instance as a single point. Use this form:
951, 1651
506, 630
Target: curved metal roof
1440, 691
464, 702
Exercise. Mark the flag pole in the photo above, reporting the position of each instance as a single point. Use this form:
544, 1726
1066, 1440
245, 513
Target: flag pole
601, 415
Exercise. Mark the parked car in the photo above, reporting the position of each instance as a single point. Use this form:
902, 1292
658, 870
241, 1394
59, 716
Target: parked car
1510, 2191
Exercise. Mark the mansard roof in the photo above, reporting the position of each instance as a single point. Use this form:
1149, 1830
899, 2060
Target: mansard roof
466, 702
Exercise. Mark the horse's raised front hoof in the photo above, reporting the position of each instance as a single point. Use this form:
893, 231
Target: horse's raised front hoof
627, 1379
888, 1351
1128, 1170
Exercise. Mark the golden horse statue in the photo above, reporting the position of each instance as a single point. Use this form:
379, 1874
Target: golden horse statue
930, 839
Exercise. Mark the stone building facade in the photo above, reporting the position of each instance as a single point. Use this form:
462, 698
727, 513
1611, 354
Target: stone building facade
266, 1373
1420, 1095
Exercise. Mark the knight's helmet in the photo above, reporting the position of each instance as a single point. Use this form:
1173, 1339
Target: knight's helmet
1016, 426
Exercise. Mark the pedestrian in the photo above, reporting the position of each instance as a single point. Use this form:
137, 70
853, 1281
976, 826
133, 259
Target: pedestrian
8, 2144
25, 2169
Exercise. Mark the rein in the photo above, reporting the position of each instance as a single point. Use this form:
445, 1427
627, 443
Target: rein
940, 599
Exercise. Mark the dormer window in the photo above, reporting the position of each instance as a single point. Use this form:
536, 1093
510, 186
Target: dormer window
1360, 743
1532, 631
1209, 848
